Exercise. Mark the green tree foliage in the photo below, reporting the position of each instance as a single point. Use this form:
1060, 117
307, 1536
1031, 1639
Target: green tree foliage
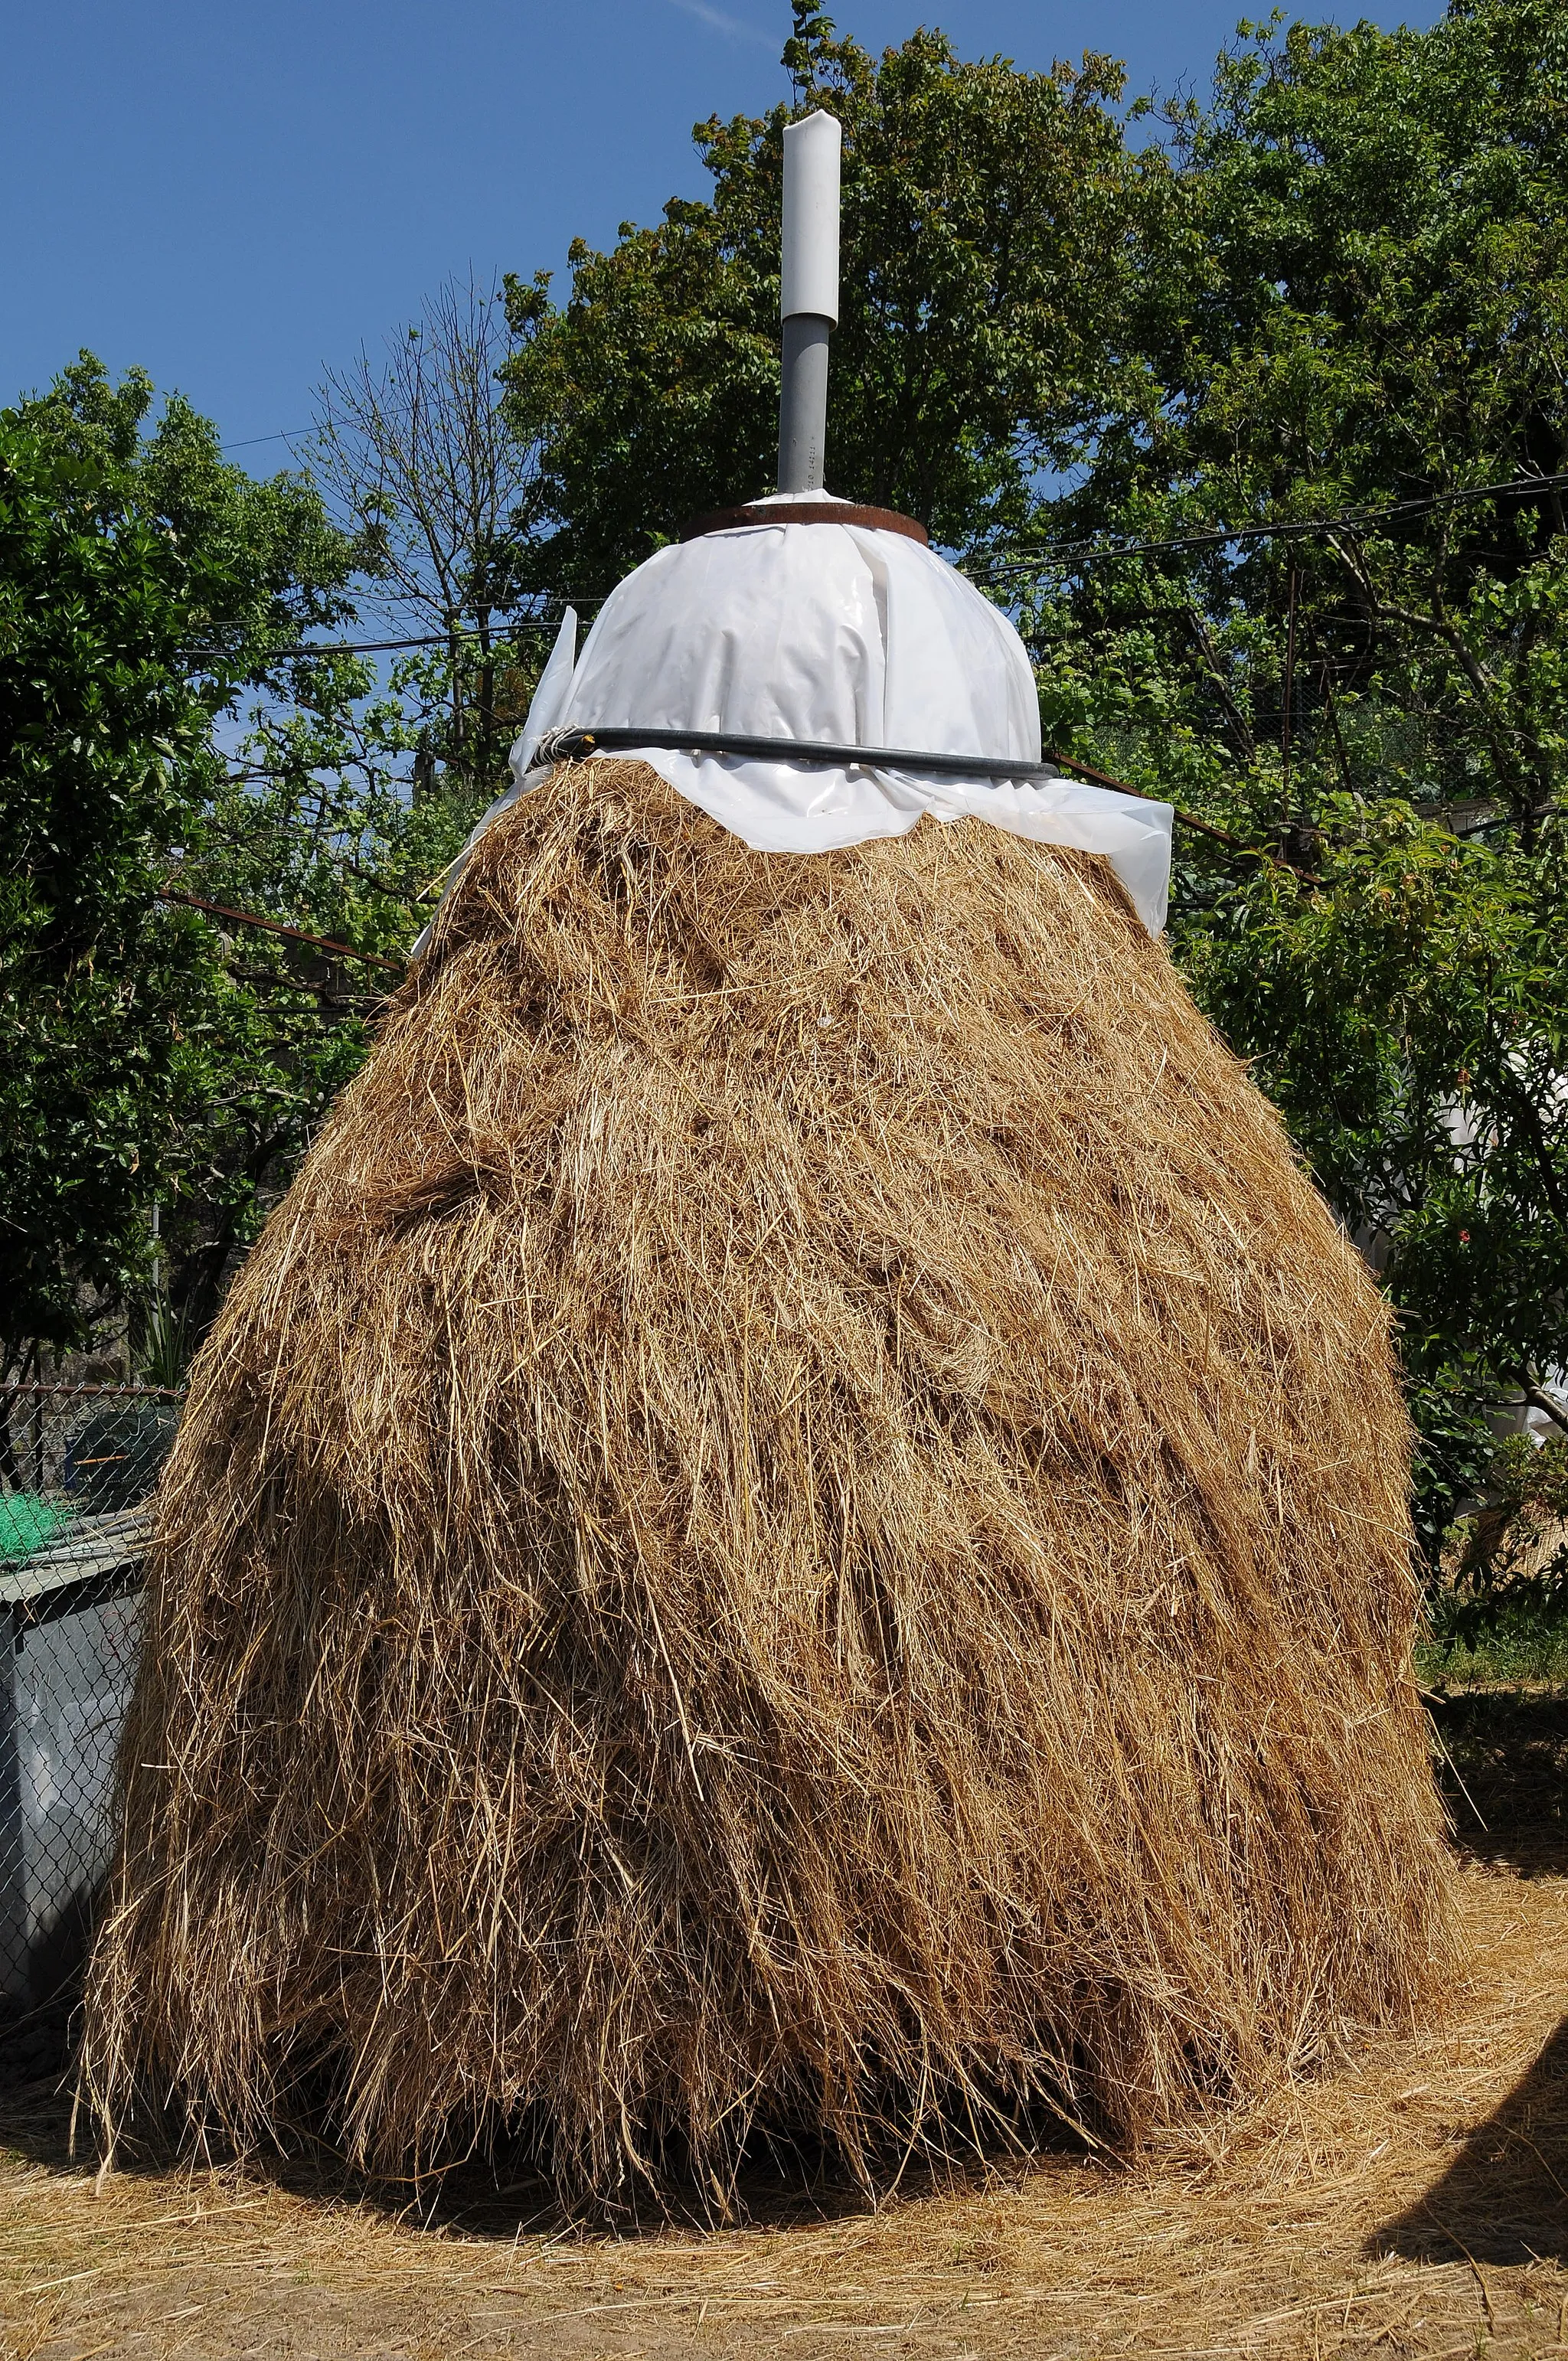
105, 759
985, 260
1405, 1014
1514, 1563
314, 821
1333, 290
254, 564
1298, 338
1355, 308
155, 1054
142, 584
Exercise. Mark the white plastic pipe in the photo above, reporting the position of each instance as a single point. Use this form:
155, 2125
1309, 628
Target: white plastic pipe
810, 278
808, 295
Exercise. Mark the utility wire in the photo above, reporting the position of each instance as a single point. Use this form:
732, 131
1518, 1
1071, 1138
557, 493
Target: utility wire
1183, 818
276, 927
381, 647
399, 967
1068, 554
1072, 554
283, 435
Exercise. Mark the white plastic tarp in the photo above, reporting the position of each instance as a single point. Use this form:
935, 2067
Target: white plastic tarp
844, 635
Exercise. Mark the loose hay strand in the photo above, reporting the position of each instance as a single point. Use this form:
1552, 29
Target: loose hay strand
799, 1521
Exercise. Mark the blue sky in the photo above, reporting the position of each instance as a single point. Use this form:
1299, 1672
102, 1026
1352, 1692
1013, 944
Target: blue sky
234, 196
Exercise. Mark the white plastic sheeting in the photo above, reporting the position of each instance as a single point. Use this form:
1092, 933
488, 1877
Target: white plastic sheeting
65, 1687
845, 635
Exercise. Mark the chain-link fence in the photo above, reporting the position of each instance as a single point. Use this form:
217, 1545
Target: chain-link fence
78, 1465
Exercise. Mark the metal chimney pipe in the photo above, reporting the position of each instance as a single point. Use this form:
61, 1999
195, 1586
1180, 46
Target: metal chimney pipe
808, 295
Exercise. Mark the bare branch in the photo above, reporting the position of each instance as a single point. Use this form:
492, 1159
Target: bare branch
416, 455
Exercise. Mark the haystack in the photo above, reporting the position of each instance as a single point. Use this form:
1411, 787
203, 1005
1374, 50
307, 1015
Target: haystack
801, 1519
798, 1527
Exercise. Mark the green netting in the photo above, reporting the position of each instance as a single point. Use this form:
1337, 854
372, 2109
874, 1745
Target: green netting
26, 1524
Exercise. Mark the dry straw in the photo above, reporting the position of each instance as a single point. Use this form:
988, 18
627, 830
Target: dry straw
799, 1522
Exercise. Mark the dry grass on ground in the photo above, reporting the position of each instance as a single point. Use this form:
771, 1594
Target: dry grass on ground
1413, 2205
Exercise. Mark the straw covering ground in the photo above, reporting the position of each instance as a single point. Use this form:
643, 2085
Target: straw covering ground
1409, 2204
798, 1523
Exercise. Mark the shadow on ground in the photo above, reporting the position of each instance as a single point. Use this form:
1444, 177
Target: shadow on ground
502, 2196
1503, 1766
1504, 1771
34, 2049
1505, 2197
785, 2183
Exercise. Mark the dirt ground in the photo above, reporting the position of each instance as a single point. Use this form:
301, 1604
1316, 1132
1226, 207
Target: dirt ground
1414, 2204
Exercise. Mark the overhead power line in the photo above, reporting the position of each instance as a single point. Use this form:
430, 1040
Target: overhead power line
383, 647
1065, 554
400, 967
1081, 553
283, 435
1184, 819
276, 927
